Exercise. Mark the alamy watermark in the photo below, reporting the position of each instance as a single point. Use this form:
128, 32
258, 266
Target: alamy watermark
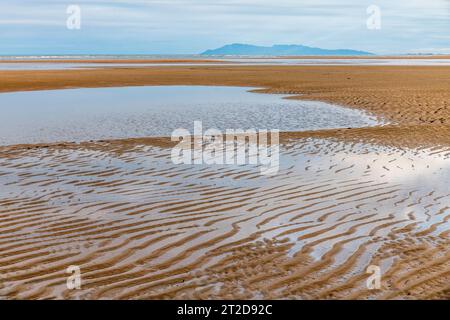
374, 280
234, 147
73, 21
373, 22
74, 280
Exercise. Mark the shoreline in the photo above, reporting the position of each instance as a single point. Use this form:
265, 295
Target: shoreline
115, 61
207, 58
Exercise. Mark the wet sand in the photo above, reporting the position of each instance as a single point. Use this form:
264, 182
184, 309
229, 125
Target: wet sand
414, 99
407, 95
141, 227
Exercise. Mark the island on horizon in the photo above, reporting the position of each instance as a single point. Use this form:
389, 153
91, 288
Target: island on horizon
239, 49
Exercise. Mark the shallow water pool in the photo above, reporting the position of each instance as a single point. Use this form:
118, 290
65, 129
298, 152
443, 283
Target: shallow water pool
127, 112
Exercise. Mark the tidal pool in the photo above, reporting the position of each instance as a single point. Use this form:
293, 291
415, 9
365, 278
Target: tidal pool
126, 112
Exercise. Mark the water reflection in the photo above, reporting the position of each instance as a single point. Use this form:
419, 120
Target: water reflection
104, 113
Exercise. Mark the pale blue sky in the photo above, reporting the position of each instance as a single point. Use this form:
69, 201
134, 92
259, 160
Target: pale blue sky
192, 26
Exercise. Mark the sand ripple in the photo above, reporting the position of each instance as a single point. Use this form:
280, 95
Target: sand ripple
141, 227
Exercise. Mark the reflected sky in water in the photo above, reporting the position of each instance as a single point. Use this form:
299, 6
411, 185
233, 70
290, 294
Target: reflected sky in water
105, 113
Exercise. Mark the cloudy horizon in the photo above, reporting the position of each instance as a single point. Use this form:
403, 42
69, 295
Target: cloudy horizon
193, 26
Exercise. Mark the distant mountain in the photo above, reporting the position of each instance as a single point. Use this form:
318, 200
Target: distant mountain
280, 50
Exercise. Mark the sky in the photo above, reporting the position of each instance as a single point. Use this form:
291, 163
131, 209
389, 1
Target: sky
39, 27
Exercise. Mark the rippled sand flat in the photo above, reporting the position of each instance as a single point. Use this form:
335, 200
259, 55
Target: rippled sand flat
141, 227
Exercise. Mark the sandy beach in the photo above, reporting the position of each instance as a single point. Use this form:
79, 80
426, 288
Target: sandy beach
141, 227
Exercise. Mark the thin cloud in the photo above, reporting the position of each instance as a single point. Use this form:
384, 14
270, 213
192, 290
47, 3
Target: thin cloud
191, 26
